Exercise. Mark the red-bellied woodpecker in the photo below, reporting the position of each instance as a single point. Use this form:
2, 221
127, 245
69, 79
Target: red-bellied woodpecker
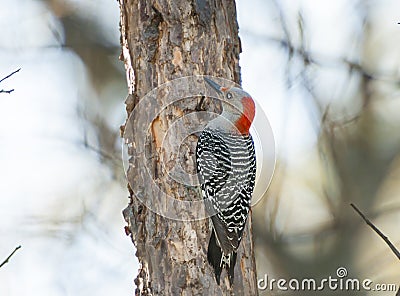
226, 165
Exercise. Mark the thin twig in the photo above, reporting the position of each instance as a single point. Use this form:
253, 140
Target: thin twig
384, 237
8, 76
6, 91
9, 256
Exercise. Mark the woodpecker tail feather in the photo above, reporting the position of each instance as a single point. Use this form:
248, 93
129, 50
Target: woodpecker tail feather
219, 260
231, 268
214, 256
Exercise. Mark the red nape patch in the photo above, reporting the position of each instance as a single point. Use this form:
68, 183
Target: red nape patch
244, 122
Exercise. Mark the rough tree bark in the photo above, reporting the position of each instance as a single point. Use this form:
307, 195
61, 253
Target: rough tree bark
163, 40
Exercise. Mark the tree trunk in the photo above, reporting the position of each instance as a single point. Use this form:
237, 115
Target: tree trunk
163, 40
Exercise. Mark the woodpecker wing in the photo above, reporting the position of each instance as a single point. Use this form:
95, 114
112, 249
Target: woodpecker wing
226, 167
213, 163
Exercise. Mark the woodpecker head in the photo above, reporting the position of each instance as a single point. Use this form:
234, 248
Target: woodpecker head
238, 109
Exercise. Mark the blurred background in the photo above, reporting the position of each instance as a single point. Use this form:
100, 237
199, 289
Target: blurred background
326, 75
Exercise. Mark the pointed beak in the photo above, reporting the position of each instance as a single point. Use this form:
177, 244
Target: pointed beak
213, 85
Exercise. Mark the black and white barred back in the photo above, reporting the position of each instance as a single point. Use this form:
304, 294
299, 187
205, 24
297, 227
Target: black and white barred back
226, 165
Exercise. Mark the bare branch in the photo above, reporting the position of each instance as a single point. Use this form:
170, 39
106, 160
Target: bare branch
6, 91
384, 237
11, 90
9, 75
9, 256
323, 60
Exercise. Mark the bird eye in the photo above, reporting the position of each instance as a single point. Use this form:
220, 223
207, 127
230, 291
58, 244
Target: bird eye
229, 95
